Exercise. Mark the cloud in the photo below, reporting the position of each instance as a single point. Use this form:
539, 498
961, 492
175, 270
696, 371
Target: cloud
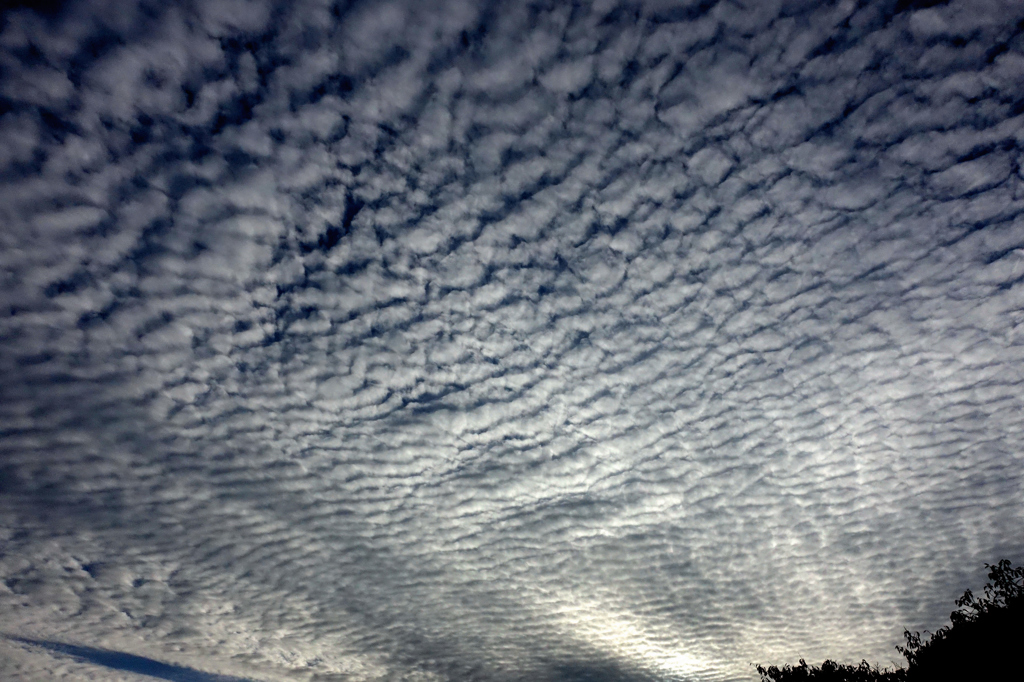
446, 341
116, 660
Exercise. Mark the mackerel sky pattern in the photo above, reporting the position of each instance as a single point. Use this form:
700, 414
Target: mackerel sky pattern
504, 342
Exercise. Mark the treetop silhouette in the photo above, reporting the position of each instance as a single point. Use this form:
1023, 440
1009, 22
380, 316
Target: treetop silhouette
979, 644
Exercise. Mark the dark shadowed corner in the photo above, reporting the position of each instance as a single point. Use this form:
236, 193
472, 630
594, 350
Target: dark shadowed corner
118, 660
47, 8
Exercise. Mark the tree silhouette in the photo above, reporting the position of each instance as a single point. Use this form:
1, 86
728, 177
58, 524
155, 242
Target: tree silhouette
979, 644
830, 671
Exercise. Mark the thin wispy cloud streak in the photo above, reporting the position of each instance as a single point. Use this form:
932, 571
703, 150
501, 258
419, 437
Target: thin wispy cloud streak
116, 660
522, 341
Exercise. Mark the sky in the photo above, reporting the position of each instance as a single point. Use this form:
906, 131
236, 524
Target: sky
429, 341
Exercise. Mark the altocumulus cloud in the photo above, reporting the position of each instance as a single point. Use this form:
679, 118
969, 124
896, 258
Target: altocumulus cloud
504, 341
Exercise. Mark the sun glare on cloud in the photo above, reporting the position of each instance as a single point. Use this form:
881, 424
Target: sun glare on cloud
631, 639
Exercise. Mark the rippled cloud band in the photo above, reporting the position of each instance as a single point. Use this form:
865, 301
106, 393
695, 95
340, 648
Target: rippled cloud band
505, 341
